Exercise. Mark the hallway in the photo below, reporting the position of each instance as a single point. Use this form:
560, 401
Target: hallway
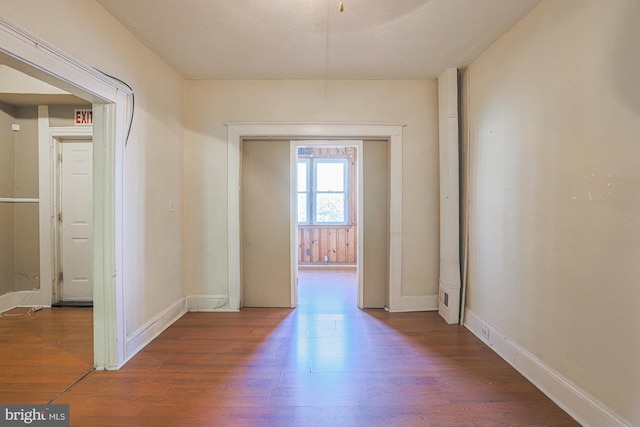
326, 363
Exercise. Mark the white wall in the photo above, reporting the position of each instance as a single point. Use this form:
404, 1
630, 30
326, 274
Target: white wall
209, 104
555, 214
7, 190
27, 247
13, 81
153, 166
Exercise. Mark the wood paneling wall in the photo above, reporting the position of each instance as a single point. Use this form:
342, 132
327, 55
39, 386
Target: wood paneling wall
337, 242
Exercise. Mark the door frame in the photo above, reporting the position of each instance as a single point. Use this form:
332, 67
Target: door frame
337, 143
59, 136
112, 106
237, 131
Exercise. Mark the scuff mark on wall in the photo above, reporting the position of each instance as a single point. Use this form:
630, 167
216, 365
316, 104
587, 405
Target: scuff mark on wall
594, 187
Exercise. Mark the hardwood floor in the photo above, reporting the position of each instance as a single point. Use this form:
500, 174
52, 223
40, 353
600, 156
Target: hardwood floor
43, 353
325, 363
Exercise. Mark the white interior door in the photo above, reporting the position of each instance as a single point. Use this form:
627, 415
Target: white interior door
76, 181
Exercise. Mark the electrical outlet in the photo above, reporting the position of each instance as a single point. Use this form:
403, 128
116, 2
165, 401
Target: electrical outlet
485, 331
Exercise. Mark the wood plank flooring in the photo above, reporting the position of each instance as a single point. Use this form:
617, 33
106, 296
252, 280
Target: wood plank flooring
43, 353
325, 363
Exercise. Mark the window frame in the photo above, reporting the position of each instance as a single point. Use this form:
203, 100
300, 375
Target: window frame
308, 162
312, 191
345, 186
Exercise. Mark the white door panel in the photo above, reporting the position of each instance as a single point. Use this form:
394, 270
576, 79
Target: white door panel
76, 184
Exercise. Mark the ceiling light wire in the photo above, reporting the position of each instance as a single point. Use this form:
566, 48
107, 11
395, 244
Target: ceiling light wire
326, 49
327, 43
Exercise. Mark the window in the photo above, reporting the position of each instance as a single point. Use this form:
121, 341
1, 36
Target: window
322, 191
303, 191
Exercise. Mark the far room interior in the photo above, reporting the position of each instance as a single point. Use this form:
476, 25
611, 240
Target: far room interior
46, 203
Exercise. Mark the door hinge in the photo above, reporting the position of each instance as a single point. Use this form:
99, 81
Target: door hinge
60, 217
60, 157
60, 275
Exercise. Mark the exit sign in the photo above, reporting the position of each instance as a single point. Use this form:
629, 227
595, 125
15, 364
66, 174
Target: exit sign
84, 117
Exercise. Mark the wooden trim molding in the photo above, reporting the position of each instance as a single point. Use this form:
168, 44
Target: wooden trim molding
236, 131
18, 200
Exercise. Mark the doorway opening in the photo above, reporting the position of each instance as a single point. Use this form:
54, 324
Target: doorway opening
112, 107
327, 205
40, 187
384, 205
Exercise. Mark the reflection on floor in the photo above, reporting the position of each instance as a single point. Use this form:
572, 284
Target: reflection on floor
325, 363
327, 291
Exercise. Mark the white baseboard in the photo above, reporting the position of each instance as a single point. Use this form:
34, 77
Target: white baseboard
581, 406
209, 303
154, 327
7, 301
31, 298
415, 303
